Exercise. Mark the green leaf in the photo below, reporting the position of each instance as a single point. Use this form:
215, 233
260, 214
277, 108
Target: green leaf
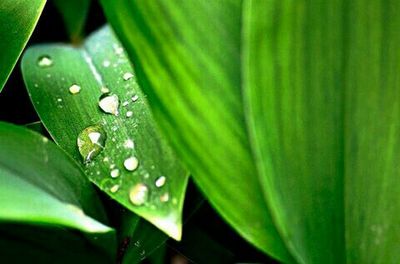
188, 58
40, 185
74, 13
315, 85
141, 241
101, 63
18, 18
330, 158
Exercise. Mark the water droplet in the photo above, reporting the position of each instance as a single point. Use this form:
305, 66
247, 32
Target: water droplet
74, 89
91, 142
118, 50
114, 188
129, 114
131, 163
160, 181
45, 61
112, 166
45, 139
106, 63
104, 90
135, 98
114, 173
125, 103
127, 76
59, 100
139, 194
106, 159
164, 198
129, 144
109, 103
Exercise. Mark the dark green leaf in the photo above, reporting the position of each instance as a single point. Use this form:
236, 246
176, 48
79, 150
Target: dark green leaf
74, 13
101, 63
188, 53
40, 185
18, 18
41, 244
321, 105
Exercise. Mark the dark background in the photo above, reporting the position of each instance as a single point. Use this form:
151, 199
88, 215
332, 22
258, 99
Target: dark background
206, 237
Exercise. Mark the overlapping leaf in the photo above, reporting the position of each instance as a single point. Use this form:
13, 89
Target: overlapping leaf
41, 185
18, 18
290, 104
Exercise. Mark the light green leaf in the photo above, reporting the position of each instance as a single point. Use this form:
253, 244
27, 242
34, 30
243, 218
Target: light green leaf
18, 18
188, 58
40, 185
74, 13
98, 65
321, 105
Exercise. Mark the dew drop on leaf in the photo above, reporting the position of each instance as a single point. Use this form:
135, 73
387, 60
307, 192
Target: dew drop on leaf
115, 173
106, 63
91, 141
139, 194
135, 98
160, 181
164, 198
109, 103
127, 76
45, 61
131, 163
74, 89
114, 188
129, 114
104, 90
129, 144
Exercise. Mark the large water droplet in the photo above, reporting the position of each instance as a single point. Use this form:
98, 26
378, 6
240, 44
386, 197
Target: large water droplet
127, 76
91, 142
74, 89
160, 181
109, 103
131, 163
139, 194
45, 61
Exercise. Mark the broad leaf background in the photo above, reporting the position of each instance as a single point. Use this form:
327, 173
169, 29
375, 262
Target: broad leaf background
287, 107
17, 21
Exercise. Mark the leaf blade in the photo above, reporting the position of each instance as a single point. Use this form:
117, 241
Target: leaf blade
100, 63
17, 20
200, 65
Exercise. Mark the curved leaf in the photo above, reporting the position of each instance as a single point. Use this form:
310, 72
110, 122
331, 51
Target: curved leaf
188, 53
18, 18
74, 13
101, 64
320, 102
40, 185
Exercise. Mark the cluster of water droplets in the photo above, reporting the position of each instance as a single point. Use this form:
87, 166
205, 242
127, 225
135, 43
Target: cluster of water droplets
93, 139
